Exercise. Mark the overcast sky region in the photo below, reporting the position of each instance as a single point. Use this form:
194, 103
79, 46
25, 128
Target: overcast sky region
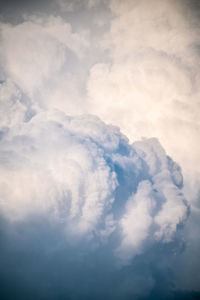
99, 149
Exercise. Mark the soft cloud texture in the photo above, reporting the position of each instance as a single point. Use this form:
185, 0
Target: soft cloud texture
38, 43
86, 213
44, 47
85, 174
105, 203
152, 85
11, 109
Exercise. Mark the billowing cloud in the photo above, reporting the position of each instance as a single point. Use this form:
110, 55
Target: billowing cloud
43, 47
89, 210
106, 202
85, 174
151, 85
40, 49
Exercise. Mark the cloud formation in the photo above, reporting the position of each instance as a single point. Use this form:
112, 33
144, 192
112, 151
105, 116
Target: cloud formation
83, 202
85, 174
38, 42
151, 85
86, 213
44, 47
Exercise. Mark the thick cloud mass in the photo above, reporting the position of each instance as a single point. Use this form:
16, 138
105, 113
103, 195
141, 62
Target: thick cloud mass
152, 85
103, 200
84, 212
85, 174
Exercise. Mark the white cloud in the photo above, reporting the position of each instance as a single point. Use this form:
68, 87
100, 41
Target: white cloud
151, 86
136, 222
157, 202
83, 173
12, 111
55, 171
40, 50
79, 173
164, 26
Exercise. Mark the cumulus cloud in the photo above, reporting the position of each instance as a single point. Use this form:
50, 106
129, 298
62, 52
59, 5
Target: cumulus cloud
146, 83
151, 85
43, 46
77, 170
12, 111
85, 213
84, 202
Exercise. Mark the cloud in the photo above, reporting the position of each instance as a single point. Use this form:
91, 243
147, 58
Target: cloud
75, 192
86, 214
77, 170
146, 83
151, 84
12, 111
42, 47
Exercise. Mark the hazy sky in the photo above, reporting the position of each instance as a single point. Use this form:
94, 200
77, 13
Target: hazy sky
99, 149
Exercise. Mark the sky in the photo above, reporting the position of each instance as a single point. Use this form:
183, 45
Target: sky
99, 149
